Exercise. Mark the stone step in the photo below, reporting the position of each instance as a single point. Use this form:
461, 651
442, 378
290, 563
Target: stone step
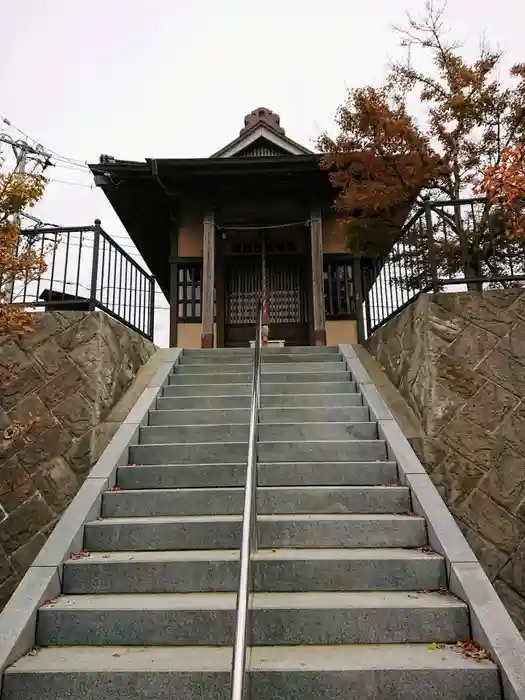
217, 452
267, 359
368, 672
269, 352
203, 403
281, 570
393, 672
164, 434
246, 367
228, 416
275, 401
224, 532
287, 474
368, 617
235, 389
270, 500
179, 379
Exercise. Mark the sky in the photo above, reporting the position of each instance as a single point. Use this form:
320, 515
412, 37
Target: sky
169, 78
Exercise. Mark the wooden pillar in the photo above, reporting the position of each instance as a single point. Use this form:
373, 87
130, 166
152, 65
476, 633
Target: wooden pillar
174, 281
316, 237
208, 280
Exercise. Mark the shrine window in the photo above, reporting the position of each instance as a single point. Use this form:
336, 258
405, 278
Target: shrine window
189, 296
339, 293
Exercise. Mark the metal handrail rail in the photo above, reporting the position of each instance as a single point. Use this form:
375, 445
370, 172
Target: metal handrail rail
249, 527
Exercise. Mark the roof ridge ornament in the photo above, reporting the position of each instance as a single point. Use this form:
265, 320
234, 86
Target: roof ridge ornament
262, 115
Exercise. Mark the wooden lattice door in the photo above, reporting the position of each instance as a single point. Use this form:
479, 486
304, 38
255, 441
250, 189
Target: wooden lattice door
286, 299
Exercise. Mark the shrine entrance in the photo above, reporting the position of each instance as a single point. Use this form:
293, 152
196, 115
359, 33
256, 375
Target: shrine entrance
270, 263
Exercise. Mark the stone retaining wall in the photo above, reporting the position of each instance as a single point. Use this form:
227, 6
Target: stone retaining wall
459, 361
57, 385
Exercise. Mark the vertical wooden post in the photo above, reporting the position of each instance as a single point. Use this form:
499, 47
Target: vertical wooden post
316, 237
174, 280
208, 280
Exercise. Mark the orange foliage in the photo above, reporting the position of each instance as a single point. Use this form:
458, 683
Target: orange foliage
379, 162
18, 260
384, 155
504, 184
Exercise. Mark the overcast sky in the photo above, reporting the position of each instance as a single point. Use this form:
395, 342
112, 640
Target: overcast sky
172, 78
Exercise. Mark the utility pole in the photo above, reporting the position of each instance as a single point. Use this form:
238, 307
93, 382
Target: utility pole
21, 159
22, 151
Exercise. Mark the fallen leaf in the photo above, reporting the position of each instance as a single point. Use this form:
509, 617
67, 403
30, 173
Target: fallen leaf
426, 550
471, 650
80, 555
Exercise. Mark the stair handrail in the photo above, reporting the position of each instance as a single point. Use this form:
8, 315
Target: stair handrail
249, 526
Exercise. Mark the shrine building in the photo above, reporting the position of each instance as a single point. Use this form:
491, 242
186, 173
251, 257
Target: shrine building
256, 215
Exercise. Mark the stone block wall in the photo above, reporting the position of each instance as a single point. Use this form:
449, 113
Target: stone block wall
57, 385
459, 361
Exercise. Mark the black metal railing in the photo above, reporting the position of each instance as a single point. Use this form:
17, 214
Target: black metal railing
452, 244
86, 270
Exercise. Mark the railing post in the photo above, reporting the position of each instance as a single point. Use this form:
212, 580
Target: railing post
367, 290
152, 307
358, 296
430, 240
94, 268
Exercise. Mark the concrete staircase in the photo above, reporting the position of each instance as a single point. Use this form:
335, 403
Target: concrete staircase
350, 601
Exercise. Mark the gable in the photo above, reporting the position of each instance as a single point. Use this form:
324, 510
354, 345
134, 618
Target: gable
261, 148
262, 136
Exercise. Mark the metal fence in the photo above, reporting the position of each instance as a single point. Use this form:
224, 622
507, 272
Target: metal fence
446, 245
86, 270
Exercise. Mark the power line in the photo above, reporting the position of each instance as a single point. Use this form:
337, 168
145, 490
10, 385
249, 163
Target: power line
57, 155
69, 166
74, 184
72, 164
42, 230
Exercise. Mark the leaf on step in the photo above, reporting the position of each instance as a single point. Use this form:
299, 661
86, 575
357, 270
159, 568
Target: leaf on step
33, 651
114, 489
434, 645
411, 514
116, 656
413, 595
426, 550
471, 650
80, 555
51, 601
